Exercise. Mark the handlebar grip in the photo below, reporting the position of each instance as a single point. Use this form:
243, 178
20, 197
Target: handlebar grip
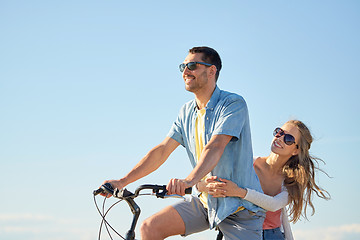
98, 191
188, 190
106, 188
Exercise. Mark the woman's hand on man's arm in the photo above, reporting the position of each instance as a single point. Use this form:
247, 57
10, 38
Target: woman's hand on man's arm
218, 187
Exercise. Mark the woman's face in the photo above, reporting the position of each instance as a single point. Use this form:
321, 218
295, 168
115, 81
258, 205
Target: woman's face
278, 144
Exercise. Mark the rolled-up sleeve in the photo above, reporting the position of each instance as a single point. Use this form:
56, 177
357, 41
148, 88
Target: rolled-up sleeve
232, 117
176, 131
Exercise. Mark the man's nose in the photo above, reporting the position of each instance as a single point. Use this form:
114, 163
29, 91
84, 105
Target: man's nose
186, 71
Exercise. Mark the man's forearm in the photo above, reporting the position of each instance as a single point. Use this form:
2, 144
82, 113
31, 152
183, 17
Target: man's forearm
209, 158
147, 165
152, 161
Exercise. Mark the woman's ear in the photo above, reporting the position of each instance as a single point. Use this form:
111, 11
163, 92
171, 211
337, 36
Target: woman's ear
296, 152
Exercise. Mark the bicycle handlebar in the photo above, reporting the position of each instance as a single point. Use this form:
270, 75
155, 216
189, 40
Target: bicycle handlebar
123, 194
159, 190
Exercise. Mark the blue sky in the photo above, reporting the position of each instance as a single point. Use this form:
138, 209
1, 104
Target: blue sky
88, 87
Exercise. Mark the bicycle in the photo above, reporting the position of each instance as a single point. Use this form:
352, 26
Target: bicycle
123, 194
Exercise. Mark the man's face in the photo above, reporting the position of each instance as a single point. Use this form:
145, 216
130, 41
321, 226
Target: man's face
197, 79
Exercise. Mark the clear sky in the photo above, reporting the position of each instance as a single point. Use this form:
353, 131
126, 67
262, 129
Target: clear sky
88, 87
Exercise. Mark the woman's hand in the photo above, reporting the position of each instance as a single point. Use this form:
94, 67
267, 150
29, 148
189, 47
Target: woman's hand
202, 185
223, 188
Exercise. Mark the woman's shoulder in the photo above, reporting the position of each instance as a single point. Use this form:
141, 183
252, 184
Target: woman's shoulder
259, 160
259, 164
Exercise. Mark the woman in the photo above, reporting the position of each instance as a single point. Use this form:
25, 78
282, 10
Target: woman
287, 176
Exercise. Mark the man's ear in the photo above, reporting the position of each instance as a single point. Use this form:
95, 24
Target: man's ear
213, 70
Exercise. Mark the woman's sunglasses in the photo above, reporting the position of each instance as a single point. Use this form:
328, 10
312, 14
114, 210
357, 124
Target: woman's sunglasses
288, 138
192, 65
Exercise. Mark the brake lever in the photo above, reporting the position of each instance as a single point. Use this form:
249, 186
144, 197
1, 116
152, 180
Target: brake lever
174, 196
123, 193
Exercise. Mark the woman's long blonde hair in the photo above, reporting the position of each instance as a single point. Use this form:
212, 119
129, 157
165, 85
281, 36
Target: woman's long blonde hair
299, 172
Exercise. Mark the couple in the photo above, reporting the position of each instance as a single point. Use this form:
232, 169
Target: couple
214, 129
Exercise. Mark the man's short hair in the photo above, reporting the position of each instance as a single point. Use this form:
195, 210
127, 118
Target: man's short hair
209, 56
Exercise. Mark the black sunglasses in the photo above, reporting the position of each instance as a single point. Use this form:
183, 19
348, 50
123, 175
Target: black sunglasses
288, 138
192, 65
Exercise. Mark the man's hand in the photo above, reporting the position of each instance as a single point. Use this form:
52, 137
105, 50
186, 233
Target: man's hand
177, 186
115, 184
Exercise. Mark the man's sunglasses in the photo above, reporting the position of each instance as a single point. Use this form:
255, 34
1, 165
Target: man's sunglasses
192, 65
288, 138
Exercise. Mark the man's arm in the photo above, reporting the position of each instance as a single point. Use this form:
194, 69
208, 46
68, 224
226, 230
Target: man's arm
209, 158
148, 164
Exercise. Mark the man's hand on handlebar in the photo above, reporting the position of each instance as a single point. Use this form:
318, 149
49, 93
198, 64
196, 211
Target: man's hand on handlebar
115, 184
177, 186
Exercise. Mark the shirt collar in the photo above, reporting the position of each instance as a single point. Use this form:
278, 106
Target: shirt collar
213, 100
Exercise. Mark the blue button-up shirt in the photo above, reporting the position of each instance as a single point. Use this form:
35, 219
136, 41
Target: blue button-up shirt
226, 113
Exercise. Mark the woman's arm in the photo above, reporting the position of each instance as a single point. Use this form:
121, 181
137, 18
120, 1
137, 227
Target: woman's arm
286, 225
227, 188
268, 202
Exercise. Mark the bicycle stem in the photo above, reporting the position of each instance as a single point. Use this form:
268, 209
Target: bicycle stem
135, 209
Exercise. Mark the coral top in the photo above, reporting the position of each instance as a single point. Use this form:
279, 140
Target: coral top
272, 220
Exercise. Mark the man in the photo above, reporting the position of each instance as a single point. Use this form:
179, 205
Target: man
214, 129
